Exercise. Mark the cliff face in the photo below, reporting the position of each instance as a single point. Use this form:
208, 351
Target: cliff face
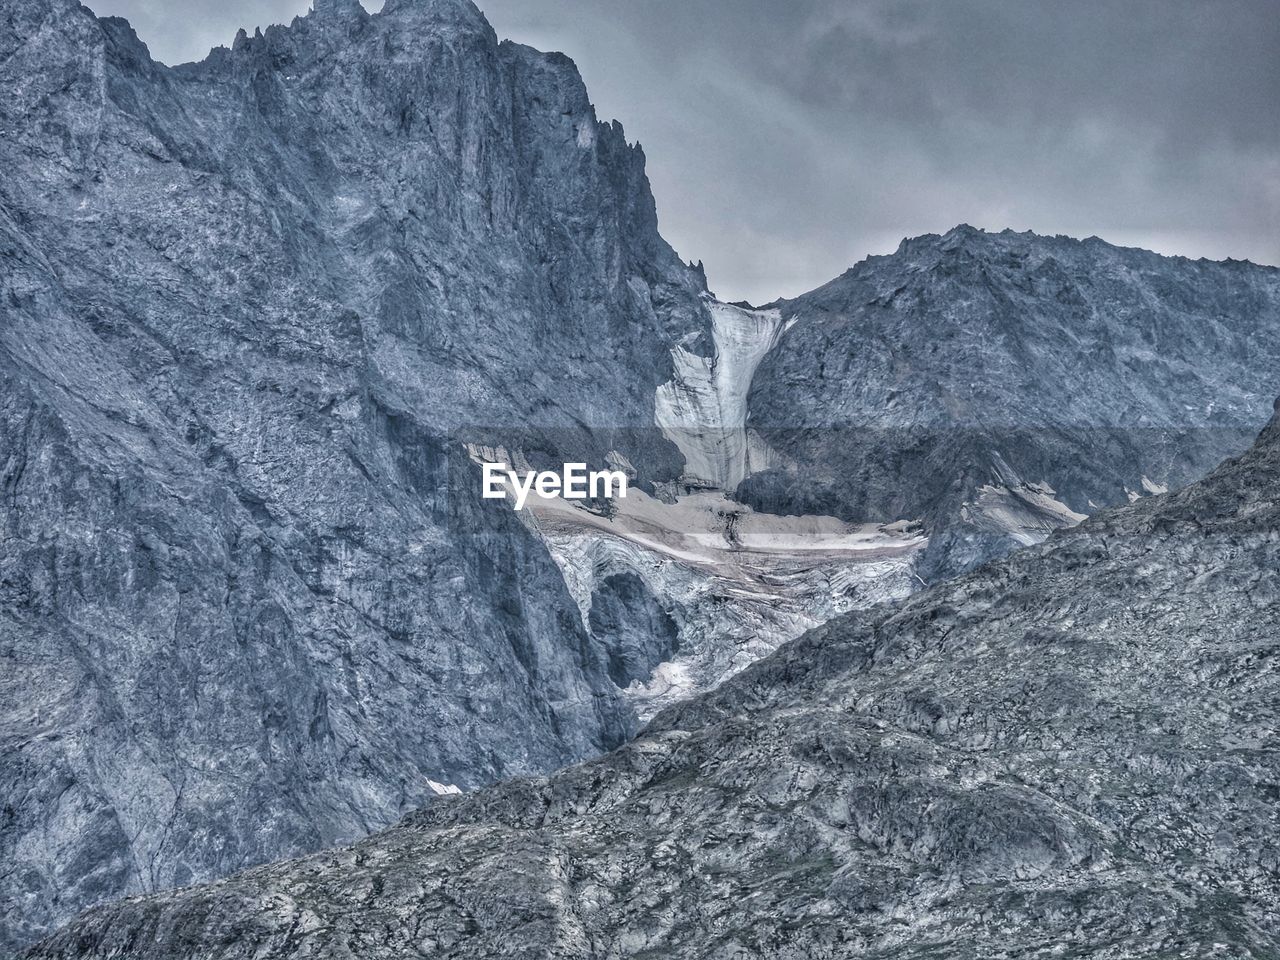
1069, 746
251, 308
997, 386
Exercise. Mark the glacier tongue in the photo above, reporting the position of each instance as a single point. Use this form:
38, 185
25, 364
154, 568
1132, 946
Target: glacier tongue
736, 583
732, 584
703, 409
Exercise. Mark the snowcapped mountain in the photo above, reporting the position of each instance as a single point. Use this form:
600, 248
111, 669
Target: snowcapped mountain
258, 313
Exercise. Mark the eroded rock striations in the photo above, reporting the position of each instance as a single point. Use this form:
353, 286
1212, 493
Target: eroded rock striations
1070, 748
250, 308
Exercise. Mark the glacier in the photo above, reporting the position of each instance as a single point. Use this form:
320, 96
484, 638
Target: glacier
703, 408
736, 583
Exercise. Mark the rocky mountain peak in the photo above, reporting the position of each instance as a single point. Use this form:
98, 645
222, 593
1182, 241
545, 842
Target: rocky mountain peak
460, 14
253, 308
960, 235
338, 9
1095, 373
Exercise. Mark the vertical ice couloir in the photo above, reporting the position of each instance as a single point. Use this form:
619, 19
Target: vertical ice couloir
703, 408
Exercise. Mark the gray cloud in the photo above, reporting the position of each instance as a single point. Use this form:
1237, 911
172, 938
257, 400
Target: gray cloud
787, 140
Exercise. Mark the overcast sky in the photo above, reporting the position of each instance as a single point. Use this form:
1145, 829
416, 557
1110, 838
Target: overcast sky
788, 139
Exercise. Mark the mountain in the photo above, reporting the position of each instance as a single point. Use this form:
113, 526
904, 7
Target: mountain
261, 315
957, 399
998, 386
924, 413
1067, 752
253, 308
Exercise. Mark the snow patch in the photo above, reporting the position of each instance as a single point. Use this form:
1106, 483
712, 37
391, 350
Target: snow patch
703, 408
1153, 488
1026, 512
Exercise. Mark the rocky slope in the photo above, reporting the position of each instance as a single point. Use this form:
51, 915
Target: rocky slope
251, 308
998, 386
1070, 752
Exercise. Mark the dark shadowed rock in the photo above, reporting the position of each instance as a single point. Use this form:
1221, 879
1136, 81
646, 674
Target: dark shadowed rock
629, 621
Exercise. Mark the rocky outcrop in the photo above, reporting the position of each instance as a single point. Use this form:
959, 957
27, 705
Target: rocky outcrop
252, 308
638, 633
997, 386
1069, 746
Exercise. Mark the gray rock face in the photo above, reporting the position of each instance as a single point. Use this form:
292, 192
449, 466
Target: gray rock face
1072, 746
250, 309
638, 633
997, 386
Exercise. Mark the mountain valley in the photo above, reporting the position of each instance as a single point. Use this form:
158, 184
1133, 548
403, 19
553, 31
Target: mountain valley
261, 319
